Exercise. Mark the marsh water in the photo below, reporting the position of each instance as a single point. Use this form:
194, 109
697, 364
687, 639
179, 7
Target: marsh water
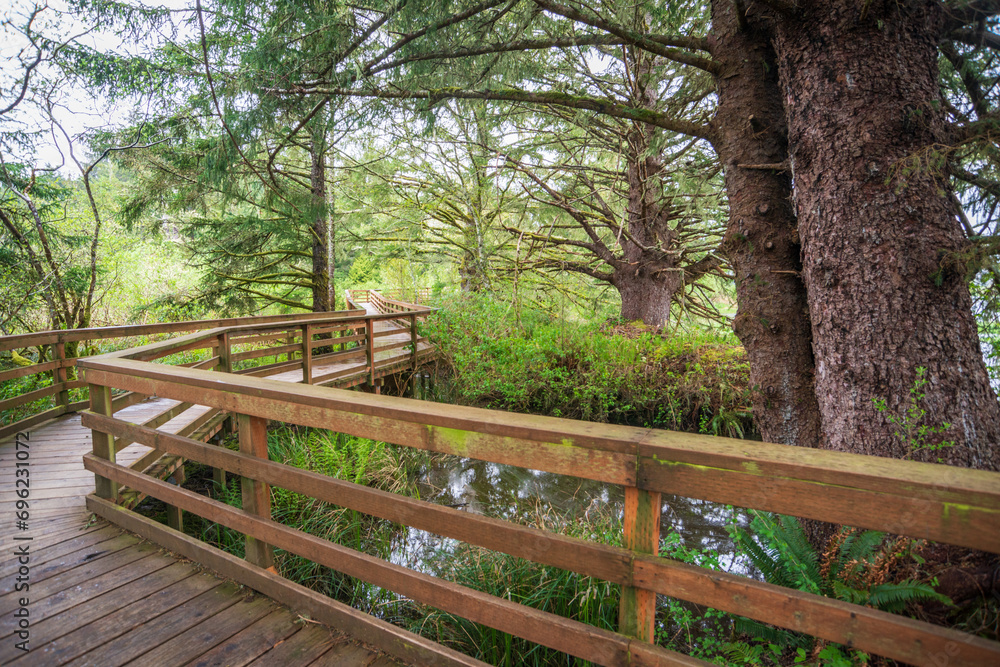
551, 501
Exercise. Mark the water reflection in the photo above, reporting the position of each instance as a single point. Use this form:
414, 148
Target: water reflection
547, 500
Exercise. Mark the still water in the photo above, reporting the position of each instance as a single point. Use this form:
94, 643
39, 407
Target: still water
550, 501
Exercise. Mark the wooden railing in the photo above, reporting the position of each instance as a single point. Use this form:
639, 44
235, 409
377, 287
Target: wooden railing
408, 297
288, 329
956, 506
53, 345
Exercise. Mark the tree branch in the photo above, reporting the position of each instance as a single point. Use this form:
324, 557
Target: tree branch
638, 39
605, 107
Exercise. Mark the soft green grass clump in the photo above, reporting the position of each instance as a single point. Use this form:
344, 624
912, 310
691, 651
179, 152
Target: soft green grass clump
550, 589
605, 372
356, 460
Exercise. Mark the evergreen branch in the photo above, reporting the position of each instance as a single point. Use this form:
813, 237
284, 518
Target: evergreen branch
451, 20
605, 107
962, 13
597, 247
507, 47
362, 38
975, 37
574, 267
240, 282
962, 174
972, 85
222, 119
638, 39
272, 298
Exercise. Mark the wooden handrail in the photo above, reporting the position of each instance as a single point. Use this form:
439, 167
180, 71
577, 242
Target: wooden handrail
957, 506
246, 331
53, 336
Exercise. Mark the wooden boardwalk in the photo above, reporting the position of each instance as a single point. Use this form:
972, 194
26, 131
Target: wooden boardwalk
382, 358
100, 596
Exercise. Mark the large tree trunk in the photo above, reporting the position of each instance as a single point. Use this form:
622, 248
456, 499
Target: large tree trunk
647, 279
761, 240
646, 297
320, 229
862, 102
468, 273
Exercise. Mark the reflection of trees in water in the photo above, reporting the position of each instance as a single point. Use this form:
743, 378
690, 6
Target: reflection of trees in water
531, 497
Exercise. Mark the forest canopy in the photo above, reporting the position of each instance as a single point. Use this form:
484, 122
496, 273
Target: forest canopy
819, 176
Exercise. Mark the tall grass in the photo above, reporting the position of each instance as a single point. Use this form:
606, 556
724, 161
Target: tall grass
549, 589
356, 460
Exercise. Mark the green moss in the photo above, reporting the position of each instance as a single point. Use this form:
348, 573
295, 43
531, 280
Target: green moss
455, 438
962, 512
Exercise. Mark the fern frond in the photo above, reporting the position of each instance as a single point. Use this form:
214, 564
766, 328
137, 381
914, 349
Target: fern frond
800, 556
742, 653
767, 633
864, 546
844, 592
768, 563
895, 597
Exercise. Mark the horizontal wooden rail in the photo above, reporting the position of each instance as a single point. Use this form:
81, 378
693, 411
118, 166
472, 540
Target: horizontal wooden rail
35, 369
51, 337
863, 628
266, 352
270, 369
243, 333
922, 500
44, 392
572, 637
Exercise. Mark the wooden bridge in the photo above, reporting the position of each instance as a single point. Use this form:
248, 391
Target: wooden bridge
156, 596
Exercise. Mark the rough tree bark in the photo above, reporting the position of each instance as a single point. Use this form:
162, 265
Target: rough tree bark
319, 229
761, 240
646, 278
646, 297
648, 274
862, 102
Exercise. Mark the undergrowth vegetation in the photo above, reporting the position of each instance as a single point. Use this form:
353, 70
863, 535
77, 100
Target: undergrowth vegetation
622, 373
355, 460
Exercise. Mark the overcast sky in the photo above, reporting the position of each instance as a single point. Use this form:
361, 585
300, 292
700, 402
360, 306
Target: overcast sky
78, 109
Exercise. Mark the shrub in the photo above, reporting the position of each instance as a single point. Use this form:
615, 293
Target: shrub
607, 372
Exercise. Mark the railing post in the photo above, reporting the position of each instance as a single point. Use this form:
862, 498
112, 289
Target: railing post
60, 375
637, 611
175, 515
413, 338
225, 358
289, 340
370, 350
226, 366
256, 495
218, 474
103, 444
307, 354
